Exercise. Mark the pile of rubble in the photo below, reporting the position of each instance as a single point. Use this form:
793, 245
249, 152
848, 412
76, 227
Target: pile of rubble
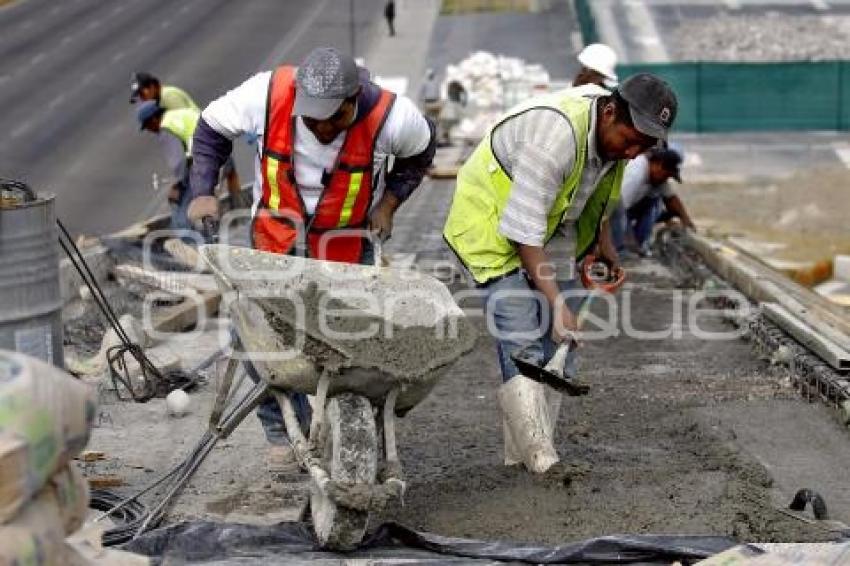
763, 37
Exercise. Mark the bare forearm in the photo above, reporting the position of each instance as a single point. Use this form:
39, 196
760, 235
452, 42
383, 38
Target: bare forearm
541, 270
607, 249
675, 205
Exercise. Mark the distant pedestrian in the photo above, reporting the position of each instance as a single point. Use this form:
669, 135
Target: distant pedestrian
389, 14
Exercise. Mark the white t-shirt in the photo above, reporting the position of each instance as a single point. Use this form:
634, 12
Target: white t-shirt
243, 110
636, 184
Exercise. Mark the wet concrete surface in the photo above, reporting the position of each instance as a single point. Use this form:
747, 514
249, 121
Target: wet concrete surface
638, 453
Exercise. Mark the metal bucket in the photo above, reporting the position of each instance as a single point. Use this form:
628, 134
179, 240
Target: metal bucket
30, 299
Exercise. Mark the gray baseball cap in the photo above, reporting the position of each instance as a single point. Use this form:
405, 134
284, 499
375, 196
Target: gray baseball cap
652, 104
324, 80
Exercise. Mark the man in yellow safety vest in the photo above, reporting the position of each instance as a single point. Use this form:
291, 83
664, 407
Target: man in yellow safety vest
554, 163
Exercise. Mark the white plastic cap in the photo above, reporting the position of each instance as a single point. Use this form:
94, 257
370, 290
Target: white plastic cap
600, 58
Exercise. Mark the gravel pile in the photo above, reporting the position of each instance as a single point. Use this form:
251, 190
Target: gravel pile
772, 36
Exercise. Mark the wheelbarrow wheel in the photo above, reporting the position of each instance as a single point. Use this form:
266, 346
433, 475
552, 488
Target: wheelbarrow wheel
350, 456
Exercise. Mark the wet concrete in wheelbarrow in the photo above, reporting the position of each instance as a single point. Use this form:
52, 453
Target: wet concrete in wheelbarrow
647, 451
339, 336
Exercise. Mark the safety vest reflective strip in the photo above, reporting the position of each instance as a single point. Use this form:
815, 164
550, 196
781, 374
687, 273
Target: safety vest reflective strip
271, 175
354, 183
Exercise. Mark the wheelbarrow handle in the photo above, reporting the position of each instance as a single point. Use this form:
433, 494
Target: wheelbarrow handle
590, 282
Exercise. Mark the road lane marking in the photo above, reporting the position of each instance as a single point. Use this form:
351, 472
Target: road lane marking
36, 59
66, 40
575, 39
843, 153
693, 159
820, 5
143, 38
733, 4
93, 24
165, 24
21, 130
56, 101
118, 56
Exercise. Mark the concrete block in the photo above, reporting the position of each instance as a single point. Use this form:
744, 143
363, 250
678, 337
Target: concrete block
99, 261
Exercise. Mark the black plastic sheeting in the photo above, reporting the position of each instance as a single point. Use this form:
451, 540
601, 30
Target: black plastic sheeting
289, 543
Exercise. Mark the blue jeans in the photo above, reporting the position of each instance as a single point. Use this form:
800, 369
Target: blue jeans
523, 321
640, 218
179, 209
269, 410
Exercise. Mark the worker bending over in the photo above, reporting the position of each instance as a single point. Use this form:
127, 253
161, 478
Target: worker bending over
647, 198
326, 137
554, 162
145, 86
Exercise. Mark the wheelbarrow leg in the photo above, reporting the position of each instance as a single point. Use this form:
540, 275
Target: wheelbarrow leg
394, 476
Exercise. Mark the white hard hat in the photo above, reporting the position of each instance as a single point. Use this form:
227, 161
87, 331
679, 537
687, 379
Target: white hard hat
600, 58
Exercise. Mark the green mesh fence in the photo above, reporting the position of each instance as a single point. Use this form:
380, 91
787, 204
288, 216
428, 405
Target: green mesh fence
725, 97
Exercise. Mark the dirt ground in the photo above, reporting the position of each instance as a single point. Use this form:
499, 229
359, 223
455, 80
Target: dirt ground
799, 219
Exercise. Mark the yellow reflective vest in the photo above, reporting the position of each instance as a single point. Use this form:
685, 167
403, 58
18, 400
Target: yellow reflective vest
483, 187
175, 98
181, 123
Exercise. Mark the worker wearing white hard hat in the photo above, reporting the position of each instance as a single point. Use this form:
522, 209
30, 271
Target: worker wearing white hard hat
598, 66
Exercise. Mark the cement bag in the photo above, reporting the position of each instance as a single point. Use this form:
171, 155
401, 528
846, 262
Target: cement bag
71, 490
35, 537
45, 420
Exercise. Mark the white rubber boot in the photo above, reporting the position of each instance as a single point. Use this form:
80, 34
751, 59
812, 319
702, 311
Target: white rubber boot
553, 403
512, 456
528, 424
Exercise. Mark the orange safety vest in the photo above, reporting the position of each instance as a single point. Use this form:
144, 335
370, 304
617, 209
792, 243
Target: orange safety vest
281, 221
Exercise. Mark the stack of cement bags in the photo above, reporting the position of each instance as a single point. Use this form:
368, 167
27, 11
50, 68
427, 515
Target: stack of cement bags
45, 421
493, 83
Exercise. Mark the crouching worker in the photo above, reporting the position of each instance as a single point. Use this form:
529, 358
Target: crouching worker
555, 162
326, 133
647, 198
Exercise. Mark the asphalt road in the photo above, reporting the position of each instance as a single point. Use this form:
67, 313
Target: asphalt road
65, 69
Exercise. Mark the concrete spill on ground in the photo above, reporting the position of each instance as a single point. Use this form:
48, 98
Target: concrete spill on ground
637, 454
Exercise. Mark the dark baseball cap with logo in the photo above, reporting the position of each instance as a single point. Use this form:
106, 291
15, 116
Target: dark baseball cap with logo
323, 81
652, 104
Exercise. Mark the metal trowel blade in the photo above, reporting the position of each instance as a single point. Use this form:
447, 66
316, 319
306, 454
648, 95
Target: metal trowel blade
546, 377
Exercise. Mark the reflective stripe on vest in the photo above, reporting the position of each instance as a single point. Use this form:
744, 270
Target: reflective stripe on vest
345, 199
182, 123
483, 188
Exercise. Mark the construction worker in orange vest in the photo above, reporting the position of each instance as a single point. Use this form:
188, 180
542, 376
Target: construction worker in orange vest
327, 137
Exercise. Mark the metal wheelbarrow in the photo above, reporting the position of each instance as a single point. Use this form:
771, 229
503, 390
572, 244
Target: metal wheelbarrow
368, 343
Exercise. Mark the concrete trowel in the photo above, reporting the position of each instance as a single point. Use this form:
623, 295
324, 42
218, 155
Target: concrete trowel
552, 374
595, 277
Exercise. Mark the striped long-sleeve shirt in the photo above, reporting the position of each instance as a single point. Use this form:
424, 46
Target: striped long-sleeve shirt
537, 149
